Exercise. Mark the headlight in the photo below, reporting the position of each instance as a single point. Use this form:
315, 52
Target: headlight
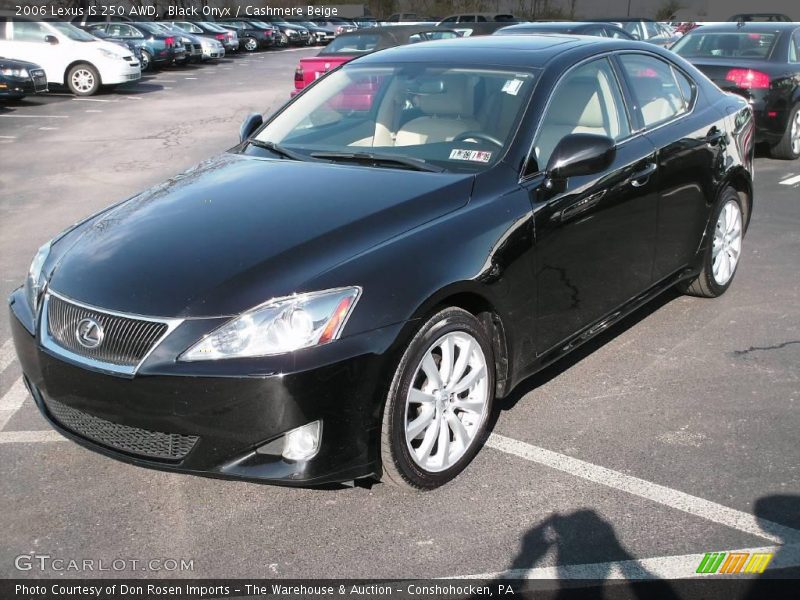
14, 72
35, 281
109, 53
279, 326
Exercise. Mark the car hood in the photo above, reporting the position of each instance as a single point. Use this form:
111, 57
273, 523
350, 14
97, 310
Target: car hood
14, 63
238, 230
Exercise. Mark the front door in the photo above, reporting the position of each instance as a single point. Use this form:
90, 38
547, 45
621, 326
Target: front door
595, 237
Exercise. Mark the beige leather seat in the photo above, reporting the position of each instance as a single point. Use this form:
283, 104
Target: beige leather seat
447, 115
576, 108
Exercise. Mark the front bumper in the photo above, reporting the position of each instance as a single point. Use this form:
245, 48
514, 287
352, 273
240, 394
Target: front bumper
20, 86
119, 71
232, 415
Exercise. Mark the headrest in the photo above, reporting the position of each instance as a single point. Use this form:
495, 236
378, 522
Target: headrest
456, 98
578, 103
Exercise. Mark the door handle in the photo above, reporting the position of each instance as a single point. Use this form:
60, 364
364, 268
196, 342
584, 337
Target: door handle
714, 136
581, 205
641, 177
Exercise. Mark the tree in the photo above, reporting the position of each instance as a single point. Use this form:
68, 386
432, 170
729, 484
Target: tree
667, 10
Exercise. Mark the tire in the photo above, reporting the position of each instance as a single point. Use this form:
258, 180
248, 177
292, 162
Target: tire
250, 44
726, 242
147, 61
424, 459
789, 146
83, 80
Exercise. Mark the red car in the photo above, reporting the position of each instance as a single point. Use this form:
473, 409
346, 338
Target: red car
353, 44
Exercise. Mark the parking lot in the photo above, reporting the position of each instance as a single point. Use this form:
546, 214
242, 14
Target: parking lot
672, 435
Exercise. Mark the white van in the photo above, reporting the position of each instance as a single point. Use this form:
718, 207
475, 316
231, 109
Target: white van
69, 55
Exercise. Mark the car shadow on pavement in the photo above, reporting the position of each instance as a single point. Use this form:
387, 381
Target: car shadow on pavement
783, 509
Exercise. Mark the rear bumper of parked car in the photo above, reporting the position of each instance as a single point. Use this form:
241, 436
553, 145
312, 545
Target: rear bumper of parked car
218, 425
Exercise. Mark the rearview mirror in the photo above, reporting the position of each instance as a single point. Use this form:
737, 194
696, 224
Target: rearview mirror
51, 39
581, 154
251, 122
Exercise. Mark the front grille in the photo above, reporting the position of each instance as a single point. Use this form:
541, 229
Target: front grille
125, 341
141, 442
39, 80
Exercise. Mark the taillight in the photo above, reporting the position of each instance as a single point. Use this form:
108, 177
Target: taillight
220, 36
748, 79
170, 41
298, 74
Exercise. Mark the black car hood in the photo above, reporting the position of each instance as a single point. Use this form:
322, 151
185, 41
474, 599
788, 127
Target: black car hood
236, 231
15, 63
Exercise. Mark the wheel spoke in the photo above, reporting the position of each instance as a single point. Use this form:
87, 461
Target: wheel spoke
469, 379
460, 435
446, 364
461, 364
443, 450
422, 422
431, 371
424, 451
469, 405
416, 396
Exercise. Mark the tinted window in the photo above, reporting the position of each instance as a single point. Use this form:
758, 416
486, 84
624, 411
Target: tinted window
617, 34
3, 22
652, 29
728, 44
450, 20
467, 19
686, 86
654, 88
353, 44
794, 51
587, 100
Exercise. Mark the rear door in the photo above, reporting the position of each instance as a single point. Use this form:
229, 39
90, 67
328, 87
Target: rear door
595, 239
690, 137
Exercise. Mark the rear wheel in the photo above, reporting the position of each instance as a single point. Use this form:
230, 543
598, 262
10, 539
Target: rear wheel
439, 402
83, 80
789, 146
147, 61
250, 44
722, 256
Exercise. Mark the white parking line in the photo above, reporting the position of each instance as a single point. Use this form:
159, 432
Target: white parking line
705, 509
682, 566
93, 111
166, 81
791, 180
47, 128
7, 354
8, 137
190, 77
94, 100
12, 401
133, 98
26, 437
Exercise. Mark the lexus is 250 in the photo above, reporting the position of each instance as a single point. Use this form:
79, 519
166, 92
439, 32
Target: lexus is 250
464, 212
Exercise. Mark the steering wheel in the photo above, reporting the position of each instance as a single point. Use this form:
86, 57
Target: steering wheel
478, 135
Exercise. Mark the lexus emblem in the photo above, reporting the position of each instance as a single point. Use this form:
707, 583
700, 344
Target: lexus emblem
89, 333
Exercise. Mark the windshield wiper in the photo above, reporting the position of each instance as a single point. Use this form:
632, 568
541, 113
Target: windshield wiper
370, 158
277, 149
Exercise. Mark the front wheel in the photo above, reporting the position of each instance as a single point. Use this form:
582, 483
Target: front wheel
722, 256
147, 61
439, 402
83, 80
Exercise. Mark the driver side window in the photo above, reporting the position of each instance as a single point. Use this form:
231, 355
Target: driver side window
29, 31
587, 100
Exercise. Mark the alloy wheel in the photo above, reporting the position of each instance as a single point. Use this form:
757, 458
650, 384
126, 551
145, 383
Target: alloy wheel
145, 61
795, 133
447, 401
83, 80
727, 246
250, 44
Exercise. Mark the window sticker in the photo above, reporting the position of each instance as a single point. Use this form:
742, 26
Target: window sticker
481, 156
512, 86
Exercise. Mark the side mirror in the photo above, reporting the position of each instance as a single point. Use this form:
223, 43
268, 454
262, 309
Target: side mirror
581, 154
251, 122
51, 39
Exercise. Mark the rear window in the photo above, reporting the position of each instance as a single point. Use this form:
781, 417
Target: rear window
725, 45
353, 44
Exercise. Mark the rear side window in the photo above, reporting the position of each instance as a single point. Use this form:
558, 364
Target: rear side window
794, 48
655, 90
353, 44
686, 86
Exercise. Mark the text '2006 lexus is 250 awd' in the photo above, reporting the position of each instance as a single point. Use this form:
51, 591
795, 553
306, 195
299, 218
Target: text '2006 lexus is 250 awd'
471, 211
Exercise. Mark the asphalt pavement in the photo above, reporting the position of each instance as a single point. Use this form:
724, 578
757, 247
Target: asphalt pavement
673, 434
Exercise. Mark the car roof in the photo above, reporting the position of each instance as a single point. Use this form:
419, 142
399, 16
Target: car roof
394, 29
747, 27
520, 51
554, 25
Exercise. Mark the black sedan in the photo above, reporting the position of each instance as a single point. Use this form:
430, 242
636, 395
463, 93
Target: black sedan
480, 208
761, 62
572, 27
18, 78
252, 35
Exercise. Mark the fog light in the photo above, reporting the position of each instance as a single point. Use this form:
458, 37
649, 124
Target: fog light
302, 443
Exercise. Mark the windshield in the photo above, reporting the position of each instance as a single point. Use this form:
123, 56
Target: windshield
214, 27
72, 32
451, 118
152, 28
261, 25
725, 45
